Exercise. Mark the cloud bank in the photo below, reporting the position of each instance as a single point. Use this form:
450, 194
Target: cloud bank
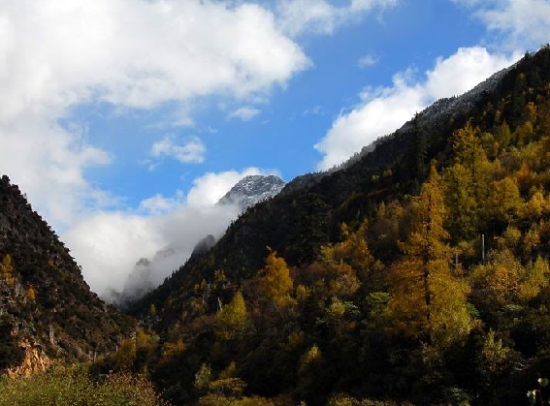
130, 54
109, 244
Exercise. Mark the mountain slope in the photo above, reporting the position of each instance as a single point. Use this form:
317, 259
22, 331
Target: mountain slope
418, 272
308, 211
44, 302
147, 273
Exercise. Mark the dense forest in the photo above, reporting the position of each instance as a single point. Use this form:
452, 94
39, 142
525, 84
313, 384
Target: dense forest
417, 275
428, 283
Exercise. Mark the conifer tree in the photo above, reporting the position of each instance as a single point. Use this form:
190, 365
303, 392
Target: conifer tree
428, 302
467, 185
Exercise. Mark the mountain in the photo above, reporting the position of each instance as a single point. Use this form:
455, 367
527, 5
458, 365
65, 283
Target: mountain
307, 213
146, 274
417, 272
252, 189
47, 310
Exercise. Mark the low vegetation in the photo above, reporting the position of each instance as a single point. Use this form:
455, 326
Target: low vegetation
75, 387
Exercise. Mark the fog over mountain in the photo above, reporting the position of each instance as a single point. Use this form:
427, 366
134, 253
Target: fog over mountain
196, 232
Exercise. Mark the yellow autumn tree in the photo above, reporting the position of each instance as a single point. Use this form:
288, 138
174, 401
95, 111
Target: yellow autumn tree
31, 294
467, 184
274, 282
6, 270
232, 319
497, 283
534, 278
350, 260
427, 301
505, 201
353, 249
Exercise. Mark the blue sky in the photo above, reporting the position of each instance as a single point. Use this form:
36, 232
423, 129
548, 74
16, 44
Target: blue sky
124, 121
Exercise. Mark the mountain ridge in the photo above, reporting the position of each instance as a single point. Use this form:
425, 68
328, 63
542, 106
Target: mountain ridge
308, 192
247, 192
45, 302
304, 296
253, 189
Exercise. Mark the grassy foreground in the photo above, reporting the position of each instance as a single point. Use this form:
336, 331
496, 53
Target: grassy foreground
75, 387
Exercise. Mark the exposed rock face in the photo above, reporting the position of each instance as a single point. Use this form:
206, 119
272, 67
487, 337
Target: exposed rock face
45, 304
253, 189
35, 360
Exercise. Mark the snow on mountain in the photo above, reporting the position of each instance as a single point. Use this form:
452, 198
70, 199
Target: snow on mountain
253, 189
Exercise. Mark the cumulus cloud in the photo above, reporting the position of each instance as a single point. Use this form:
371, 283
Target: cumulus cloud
109, 244
244, 113
192, 151
297, 17
48, 163
383, 110
520, 24
158, 204
131, 54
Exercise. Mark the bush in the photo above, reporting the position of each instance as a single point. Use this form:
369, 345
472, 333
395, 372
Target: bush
75, 388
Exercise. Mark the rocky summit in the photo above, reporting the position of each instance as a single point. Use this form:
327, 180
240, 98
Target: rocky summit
253, 189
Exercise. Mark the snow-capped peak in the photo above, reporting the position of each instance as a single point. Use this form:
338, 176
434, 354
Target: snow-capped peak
253, 189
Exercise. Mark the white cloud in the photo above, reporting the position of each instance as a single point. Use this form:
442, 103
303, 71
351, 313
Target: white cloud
138, 53
244, 113
384, 110
462, 71
133, 54
192, 151
297, 17
521, 24
48, 163
108, 244
367, 61
158, 204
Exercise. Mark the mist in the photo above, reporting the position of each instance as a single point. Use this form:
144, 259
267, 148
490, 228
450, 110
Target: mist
110, 245
154, 240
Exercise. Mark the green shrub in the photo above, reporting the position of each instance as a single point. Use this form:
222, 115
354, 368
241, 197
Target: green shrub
75, 388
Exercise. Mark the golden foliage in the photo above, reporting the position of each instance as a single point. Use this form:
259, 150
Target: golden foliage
275, 283
232, 320
6, 270
427, 300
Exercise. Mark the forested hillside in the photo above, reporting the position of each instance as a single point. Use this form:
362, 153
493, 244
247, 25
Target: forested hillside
47, 311
417, 274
